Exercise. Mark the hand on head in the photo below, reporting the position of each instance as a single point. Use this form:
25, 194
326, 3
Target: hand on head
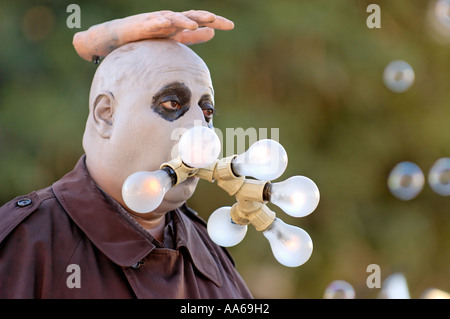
188, 27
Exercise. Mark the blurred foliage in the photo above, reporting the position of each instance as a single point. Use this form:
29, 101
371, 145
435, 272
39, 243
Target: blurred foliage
313, 69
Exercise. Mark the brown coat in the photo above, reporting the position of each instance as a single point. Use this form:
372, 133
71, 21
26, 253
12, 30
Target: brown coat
72, 241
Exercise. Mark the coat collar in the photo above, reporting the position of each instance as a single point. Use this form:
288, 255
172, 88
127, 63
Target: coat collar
117, 235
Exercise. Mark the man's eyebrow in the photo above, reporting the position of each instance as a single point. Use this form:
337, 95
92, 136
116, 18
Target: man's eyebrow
180, 89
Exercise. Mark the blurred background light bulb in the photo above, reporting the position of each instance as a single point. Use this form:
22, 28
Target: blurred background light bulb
398, 76
439, 176
222, 230
290, 245
144, 191
442, 12
438, 20
394, 287
297, 196
265, 160
433, 293
199, 147
339, 289
406, 180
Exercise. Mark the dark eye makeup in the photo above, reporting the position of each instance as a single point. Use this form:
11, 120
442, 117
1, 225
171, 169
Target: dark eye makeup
172, 101
207, 107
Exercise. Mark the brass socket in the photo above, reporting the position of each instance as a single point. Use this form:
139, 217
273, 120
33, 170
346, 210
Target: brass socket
259, 215
181, 170
207, 173
250, 206
226, 178
250, 194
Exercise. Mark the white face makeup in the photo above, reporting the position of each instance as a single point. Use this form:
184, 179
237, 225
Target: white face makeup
157, 87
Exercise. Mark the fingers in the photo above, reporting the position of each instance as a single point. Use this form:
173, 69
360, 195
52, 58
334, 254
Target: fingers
208, 19
155, 24
200, 16
163, 24
200, 35
189, 20
181, 21
220, 23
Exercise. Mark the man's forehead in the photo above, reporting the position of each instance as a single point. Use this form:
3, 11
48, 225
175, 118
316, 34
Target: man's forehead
191, 77
152, 64
156, 54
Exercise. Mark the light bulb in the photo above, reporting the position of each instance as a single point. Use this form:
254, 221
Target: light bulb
290, 245
398, 76
199, 147
395, 287
439, 176
222, 230
442, 14
433, 293
339, 289
406, 180
265, 160
438, 20
297, 196
144, 191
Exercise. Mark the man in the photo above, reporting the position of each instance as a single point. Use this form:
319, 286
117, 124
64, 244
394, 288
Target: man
77, 238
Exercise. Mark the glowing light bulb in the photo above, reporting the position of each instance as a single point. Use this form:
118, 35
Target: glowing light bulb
144, 191
339, 289
264, 160
439, 176
290, 245
433, 293
398, 76
297, 196
199, 147
406, 180
222, 230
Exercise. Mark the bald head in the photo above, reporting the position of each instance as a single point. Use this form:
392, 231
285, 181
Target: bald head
141, 94
138, 63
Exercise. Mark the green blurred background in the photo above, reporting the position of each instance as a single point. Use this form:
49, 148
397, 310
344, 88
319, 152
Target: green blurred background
314, 70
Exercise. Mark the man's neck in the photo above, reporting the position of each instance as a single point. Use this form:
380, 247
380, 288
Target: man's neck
154, 226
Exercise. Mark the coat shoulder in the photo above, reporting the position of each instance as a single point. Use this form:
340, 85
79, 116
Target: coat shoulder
14, 212
36, 242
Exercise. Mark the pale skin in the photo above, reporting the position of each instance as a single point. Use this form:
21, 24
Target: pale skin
188, 27
141, 94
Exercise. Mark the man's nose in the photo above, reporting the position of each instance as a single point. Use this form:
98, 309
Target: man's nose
194, 117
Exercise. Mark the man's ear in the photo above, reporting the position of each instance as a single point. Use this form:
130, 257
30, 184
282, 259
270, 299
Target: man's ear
103, 114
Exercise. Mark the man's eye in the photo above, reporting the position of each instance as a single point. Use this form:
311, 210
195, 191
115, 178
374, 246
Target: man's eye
171, 105
208, 112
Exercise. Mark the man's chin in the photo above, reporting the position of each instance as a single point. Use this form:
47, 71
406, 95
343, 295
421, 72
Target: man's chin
168, 206
179, 194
